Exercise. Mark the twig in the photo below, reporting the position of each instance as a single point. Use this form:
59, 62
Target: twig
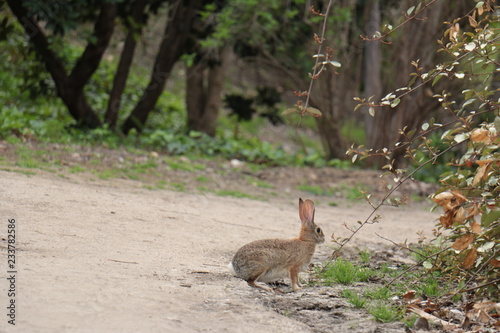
384, 199
123, 262
416, 265
406, 247
321, 40
408, 19
476, 287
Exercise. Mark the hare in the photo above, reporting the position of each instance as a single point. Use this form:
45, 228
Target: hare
270, 259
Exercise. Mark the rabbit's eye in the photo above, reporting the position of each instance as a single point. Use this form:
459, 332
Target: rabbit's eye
318, 230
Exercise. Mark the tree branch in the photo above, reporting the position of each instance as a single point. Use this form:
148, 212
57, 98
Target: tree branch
89, 61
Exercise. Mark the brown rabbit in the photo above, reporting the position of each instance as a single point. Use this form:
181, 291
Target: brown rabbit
270, 259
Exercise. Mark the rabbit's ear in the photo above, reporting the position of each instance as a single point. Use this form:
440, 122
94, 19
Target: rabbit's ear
306, 211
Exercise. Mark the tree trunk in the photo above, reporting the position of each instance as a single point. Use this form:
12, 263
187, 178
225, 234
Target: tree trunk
327, 98
123, 69
181, 16
70, 88
374, 126
203, 99
417, 42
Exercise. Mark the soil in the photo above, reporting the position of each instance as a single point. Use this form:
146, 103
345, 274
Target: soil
122, 255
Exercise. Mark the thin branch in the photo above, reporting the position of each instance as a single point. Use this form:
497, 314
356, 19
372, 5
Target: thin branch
320, 46
408, 19
386, 197
419, 263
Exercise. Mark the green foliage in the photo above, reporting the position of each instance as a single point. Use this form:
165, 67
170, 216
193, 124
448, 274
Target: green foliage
345, 272
354, 298
384, 313
469, 142
236, 194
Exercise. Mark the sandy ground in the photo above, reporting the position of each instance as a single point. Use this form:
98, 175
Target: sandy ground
109, 256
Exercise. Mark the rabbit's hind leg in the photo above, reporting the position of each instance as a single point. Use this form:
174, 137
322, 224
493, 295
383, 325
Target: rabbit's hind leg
261, 285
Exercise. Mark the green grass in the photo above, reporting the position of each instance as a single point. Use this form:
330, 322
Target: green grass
377, 299
107, 174
176, 164
259, 183
344, 272
385, 313
365, 256
202, 179
348, 192
76, 169
354, 298
181, 187
236, 194
161, 184
315, 190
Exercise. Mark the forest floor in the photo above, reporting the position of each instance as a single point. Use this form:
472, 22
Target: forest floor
114, 241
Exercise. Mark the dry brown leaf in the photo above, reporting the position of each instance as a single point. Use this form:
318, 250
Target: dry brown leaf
470, 259
484, 162
485, 306
480, 135
442, 198
482, 171
409, 295
472, 22
459, 215
433, 319
483, 317
463, 242
476, 227
495, 263
473, 210
459, 197
454, 30
446, 219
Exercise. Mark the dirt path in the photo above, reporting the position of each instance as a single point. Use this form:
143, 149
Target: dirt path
109, 256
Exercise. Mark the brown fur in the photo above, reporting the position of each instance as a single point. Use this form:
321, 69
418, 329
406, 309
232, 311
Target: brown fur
269, 259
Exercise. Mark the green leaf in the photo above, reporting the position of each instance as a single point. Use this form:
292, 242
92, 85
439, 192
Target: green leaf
460, 137
289, 111
489, 218
335, 63
437, 78
410, 10
497, 124
313, 112
395, 102
485, 247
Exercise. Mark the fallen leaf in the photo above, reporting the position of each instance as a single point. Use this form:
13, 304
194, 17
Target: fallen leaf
433, 319
409, 295
483, 317
470, 259
463, 242
485, 306
495, 263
